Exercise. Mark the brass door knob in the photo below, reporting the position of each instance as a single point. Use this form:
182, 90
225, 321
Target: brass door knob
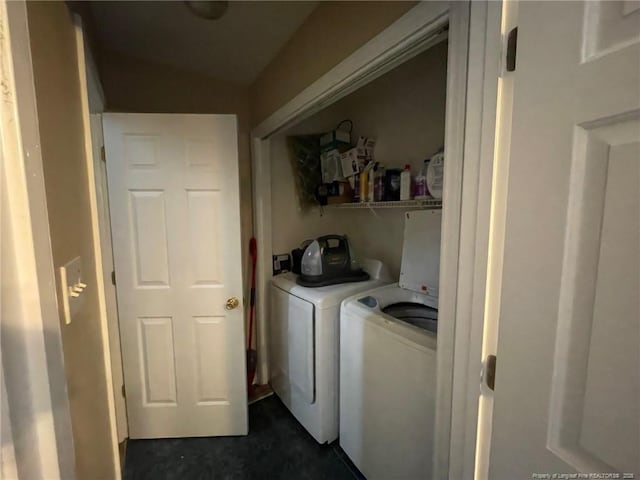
232, 303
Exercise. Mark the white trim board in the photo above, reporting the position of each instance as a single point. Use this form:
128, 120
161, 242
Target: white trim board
484, 69
96, 172
411, 34
455, 166
97, 240
100, 182
261, 178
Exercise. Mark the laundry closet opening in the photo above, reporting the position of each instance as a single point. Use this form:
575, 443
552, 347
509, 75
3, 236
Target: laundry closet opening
357, 359
404, 111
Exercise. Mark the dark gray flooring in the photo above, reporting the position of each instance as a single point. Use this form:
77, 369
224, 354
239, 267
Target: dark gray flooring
277, 447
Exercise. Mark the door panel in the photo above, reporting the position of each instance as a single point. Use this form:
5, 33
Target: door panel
158, 372
213, 385
597, 389
174, 197
568, 373
204, 218
150, 236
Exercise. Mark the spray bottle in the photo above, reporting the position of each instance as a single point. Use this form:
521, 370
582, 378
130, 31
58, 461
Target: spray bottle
405, 183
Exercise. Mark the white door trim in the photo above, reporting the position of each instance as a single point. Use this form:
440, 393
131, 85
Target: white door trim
94, 107
97, 245
455, 419
100, 181
261, 179
32, 358
485, 66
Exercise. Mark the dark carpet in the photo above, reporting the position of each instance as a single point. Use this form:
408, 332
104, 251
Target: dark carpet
277, 447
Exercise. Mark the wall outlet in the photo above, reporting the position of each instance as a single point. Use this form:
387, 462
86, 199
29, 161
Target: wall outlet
281, 263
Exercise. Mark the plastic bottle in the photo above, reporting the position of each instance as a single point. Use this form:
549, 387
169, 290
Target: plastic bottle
378, 186
405, 183
372, 183
356, 188
364, 185
420, 186
435, 175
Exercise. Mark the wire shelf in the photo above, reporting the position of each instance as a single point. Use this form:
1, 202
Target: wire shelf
423, 204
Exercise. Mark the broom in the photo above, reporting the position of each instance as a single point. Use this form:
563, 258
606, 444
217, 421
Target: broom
252, 355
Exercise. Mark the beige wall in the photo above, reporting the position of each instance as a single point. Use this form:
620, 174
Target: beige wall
55, 66
330, 34
134, 85
405, 111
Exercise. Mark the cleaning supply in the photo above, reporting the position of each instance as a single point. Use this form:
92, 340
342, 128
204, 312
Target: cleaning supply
356, 188
378, 185
435, 175
420, 185
364, 185
372, 183
405, 183
366, 173
330, 260
392, 184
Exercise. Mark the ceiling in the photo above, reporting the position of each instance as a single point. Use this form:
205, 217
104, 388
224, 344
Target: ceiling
235, 48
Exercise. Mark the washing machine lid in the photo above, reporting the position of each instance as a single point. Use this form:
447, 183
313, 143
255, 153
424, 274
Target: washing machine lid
420, 271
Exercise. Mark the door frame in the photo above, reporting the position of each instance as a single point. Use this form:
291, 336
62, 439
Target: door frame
480, 234
470, 130
93, 105
92, 100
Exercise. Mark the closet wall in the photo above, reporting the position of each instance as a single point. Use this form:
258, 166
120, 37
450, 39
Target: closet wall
405, 111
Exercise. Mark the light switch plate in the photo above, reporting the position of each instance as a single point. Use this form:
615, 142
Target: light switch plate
72, 286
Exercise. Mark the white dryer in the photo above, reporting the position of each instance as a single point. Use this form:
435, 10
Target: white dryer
388, 362
304, 344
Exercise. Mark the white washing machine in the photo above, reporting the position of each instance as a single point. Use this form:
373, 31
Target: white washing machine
388, 363
304, 344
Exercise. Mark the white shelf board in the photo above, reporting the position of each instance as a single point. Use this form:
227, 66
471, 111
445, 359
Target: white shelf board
424, 204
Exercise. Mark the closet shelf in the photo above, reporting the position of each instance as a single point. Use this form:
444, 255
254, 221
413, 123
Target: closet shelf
424, 204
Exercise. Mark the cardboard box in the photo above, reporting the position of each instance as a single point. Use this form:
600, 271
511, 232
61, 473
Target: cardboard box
339, 200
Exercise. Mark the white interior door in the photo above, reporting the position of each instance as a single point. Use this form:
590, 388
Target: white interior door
567, 394
175, 217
